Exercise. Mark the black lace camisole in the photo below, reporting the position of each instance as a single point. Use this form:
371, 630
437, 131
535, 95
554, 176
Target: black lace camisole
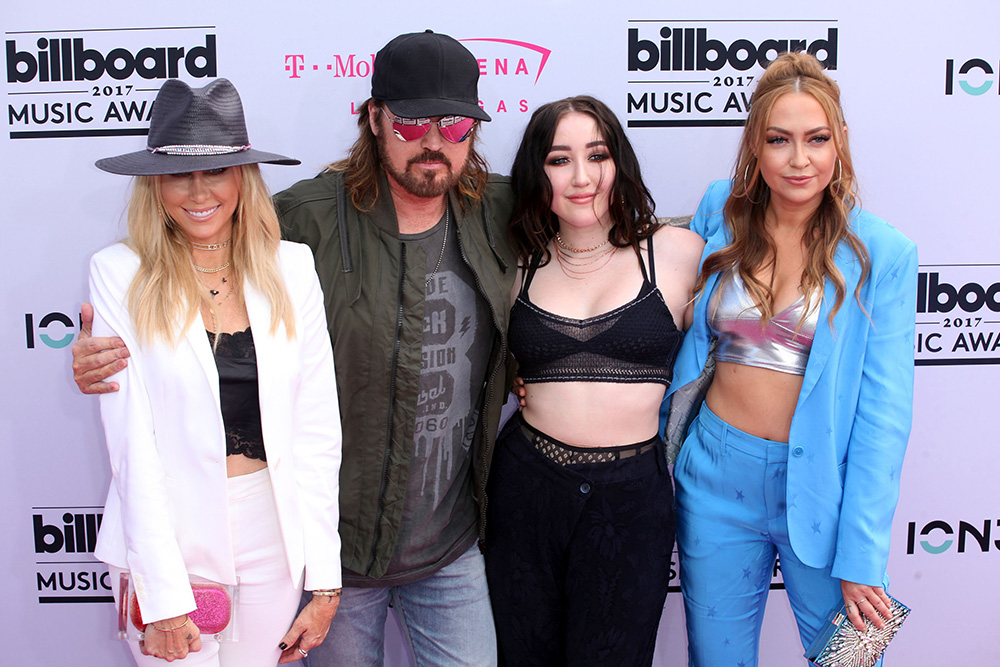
636, 342
236, 359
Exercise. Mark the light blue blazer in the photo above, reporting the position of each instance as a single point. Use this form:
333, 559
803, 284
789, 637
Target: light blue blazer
852, 420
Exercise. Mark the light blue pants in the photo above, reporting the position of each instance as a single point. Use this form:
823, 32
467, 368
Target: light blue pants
731, 523
446, 618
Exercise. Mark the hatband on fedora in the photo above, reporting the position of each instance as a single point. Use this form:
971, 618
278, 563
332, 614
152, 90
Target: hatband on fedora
193, 129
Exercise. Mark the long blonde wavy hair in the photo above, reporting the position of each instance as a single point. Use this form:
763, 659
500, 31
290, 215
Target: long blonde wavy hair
751, 248
166, 288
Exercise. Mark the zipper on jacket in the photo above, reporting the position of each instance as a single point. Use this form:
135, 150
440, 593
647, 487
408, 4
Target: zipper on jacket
392, 410
489, 384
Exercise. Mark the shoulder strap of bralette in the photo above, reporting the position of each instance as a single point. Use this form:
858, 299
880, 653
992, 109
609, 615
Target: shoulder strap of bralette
652, 265
536, 259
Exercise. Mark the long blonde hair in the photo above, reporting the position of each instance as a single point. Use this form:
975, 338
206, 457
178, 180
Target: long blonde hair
166, 288
751, 247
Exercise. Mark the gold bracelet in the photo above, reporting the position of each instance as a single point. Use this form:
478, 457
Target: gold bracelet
187, 619
329, 592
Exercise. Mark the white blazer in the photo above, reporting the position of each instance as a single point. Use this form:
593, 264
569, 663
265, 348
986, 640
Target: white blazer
167, 510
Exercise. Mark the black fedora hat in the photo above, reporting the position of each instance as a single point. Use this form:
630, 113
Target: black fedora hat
425, 74
193, 129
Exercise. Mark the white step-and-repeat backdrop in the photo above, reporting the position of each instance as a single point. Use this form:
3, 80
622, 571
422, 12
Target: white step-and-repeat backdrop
922, 96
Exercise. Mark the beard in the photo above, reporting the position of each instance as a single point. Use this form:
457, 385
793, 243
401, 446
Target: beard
419, 182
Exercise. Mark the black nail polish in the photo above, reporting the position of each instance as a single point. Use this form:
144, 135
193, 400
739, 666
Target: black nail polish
282, 646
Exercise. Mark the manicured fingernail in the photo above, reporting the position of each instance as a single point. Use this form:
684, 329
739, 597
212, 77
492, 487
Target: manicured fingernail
282, 646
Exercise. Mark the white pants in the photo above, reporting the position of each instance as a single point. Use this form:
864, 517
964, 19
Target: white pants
267, 599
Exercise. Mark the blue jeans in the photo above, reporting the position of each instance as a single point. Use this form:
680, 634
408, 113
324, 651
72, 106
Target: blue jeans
731, 523
446, 618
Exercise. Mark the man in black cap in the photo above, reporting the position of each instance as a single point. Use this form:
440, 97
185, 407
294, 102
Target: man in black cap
408, 234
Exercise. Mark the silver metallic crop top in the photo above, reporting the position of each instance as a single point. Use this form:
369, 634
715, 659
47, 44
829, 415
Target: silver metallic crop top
735, 320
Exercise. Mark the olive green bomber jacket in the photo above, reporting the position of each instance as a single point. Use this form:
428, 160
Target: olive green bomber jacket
373, 285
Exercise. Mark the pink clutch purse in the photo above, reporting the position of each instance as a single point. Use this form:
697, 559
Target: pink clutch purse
215, 613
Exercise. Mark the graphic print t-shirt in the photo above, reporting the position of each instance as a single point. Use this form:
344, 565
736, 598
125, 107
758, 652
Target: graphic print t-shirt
439, 514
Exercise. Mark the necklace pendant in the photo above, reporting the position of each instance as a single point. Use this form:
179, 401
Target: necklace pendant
214, 292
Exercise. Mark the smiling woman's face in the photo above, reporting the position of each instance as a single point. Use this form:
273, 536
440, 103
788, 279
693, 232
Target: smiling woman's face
798, 155
581, 172
202, 203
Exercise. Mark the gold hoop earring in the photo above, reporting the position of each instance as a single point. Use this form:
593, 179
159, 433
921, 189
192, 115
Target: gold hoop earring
746, 185
840, 176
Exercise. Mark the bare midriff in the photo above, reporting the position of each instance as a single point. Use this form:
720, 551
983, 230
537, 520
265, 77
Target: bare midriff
759, 401
595, 414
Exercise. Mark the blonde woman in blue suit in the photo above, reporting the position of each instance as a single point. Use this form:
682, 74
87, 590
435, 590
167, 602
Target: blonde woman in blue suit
798, 446
224, 438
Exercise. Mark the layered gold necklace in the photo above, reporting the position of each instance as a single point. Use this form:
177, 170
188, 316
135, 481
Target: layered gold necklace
578, 263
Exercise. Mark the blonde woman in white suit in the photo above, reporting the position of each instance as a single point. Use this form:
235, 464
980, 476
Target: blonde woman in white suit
224, 438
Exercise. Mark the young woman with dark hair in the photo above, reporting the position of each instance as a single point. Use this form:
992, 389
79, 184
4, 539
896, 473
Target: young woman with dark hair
580, 523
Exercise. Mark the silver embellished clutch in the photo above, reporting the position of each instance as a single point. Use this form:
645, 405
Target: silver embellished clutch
840, 644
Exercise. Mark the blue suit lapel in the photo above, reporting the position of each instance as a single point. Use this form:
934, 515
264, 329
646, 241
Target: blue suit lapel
823, 341
699, 325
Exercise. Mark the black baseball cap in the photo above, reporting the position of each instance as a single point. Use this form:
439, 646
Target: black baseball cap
425, 74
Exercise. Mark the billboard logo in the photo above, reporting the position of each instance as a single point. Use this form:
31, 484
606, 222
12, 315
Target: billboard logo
690, 49
958, 315
68, 59
76, 534
688, 73
65, 539
775, 579
96, 82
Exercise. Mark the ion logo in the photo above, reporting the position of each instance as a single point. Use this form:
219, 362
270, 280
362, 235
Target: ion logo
975, 77
958, 315
941, 536
98, 84
701, 74
53, 330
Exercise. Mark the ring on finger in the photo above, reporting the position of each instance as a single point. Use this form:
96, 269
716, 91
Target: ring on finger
304, 653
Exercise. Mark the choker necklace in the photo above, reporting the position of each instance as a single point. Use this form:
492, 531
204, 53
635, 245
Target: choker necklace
447, 218
210, 246
215, 269
580, 251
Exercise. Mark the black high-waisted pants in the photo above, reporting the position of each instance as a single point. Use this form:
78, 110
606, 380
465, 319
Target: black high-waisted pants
578, 555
